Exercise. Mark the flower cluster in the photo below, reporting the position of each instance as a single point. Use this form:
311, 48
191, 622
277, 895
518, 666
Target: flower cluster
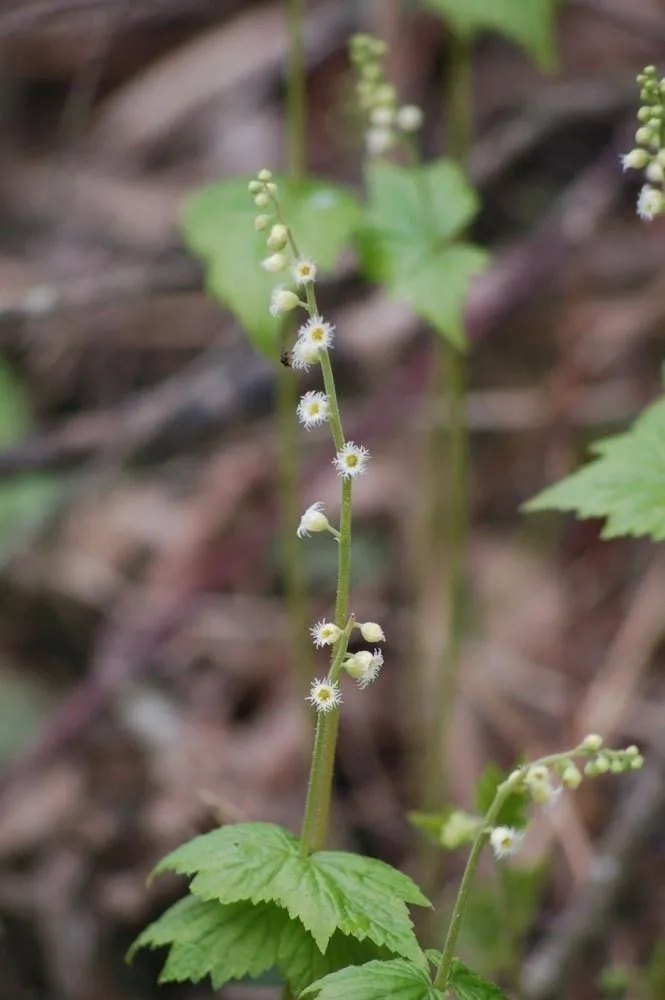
283, 256
649, 152
544, 781
312, 346
387, 122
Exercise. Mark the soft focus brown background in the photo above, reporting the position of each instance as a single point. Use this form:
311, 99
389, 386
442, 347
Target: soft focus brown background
147, 688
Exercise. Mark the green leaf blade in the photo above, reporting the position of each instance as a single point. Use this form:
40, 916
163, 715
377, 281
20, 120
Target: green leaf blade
218, 226
530, 25
624, 483
414, 214
209, 939
466, 984
376, 981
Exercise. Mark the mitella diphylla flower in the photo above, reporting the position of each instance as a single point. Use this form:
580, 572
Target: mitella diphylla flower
325, 633
364, 666
313, 409
351, 460
324, 696
505, 841
316, 334
282, 300
304, 271
313, 520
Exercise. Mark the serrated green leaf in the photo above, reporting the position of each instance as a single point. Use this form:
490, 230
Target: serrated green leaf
302, 962
376, 981
218, 226
243, 940
529, 24
624, 483
208, 939
413, 216
513, 812
328, 890
468, 985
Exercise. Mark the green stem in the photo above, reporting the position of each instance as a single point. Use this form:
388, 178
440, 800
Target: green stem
503, 792
295, 90
319, 789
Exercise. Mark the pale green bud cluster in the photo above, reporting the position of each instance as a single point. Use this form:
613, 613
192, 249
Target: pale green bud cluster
614, 762
648, 156
282, 256
387, 121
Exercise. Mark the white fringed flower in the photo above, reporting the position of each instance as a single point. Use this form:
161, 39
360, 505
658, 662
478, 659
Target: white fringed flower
304, 271
364, 666
351, 461
650, 202
303, 355
324, 696
313, 409
316, 335
325, 633
282, 300
505, 841
313, 520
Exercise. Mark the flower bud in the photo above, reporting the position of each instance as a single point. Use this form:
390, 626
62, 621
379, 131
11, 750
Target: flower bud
409, 118
572, 776
262, 222
277, 262
372, 632
593, 742
262, 200
279, 237
264, 175
254, 187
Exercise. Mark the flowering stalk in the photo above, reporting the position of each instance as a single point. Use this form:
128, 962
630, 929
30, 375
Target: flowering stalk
312, 347
532, 779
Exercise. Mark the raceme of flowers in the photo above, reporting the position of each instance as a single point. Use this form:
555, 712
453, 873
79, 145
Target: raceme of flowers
386, 122
313, 343
648, 156
544, 783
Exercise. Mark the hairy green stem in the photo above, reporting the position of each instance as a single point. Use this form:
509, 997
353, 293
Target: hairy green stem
296, 105
503, 792
319, 790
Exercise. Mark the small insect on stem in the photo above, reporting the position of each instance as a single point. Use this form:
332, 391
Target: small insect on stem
285, 357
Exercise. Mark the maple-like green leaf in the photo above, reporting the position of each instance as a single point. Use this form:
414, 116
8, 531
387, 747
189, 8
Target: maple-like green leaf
208, 939
228, 942
528, 23
624, 482
513, 812
328, 890
407, 240
218, 226
466, 984
376, 981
